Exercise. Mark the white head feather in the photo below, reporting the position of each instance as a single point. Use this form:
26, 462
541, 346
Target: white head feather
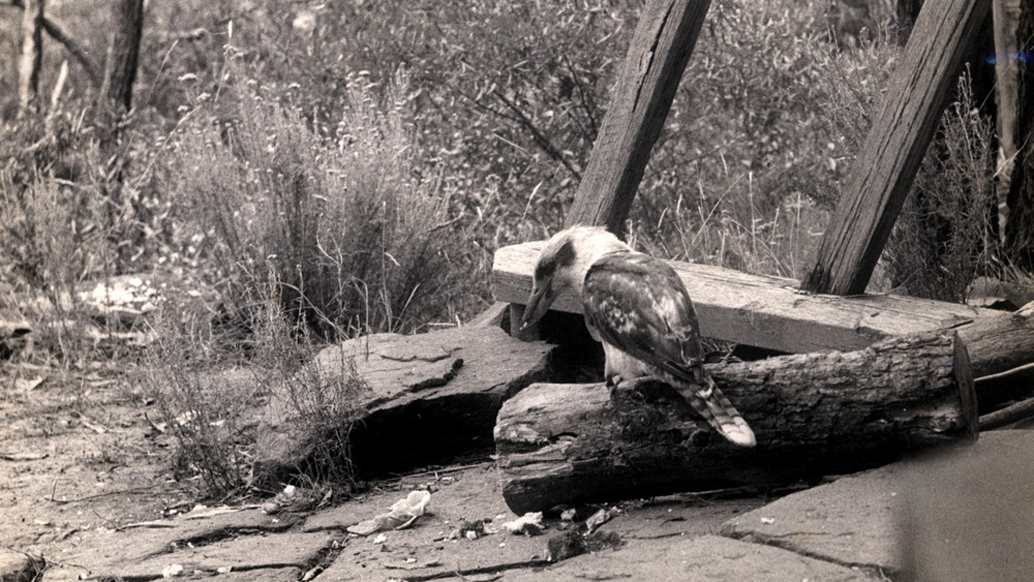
564, 262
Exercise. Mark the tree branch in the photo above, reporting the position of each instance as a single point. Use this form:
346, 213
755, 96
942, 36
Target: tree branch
539, 138
1020, 411
57, 32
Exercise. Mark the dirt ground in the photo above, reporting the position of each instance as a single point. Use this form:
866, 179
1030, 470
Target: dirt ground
77, 453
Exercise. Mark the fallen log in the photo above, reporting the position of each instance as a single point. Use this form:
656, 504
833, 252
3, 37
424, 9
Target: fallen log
1000, 342
813, 414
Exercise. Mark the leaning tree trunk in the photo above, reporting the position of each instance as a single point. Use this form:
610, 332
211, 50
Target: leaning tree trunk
31, 59
813, 414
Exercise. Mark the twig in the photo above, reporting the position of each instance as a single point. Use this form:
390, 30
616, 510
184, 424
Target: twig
1005, 374
96, 495
587, 103
115, 526
1020, 411
443, 470
539, 137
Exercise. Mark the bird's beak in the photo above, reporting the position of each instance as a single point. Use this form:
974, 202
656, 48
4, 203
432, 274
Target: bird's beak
542, 296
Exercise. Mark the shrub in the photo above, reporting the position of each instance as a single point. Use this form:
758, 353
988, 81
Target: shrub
50, 242
750, 159
75, 211
355, 227
943, 240
211, 400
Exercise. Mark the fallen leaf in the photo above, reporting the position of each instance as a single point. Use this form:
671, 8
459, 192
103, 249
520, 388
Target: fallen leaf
27, 385
529, 524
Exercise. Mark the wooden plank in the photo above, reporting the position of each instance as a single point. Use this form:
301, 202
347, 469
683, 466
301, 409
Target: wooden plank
882, 174
764, 311
494, 316
646, 85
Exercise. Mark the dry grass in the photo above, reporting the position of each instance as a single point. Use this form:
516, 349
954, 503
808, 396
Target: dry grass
943, 239
355, 228
211, 400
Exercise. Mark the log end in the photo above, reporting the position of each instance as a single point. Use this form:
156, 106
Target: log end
968, 412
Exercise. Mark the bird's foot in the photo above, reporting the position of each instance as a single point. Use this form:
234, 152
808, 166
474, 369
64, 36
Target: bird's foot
620, 386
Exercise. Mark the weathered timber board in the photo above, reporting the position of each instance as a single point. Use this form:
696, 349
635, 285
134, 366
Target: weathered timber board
641, 98
763, 311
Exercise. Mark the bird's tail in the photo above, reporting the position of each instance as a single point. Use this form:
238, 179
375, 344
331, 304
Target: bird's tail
716, 409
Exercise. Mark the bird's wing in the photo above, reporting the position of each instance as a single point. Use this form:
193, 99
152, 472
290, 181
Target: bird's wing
638, 304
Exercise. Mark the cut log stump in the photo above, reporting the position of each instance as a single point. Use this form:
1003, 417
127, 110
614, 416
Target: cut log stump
1001, 342
813, 414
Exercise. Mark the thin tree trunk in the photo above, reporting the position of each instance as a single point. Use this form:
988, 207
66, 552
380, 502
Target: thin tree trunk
1019, 228
57, 32
31, 59
115, 100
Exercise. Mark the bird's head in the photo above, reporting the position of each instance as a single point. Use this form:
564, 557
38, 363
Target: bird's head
563, 264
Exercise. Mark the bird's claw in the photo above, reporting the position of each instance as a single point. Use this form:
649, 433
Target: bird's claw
618, 384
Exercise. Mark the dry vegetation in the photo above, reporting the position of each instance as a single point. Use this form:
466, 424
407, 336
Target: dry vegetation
349, 168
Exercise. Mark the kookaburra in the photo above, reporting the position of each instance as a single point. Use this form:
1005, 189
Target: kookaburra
638, 308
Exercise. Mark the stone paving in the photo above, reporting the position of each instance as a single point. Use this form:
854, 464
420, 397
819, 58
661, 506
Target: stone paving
877, 525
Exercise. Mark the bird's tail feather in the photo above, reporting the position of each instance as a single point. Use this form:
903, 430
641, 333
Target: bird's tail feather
716, 409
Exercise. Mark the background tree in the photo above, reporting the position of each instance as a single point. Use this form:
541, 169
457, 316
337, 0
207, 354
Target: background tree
1019, 228
115, 101
31, 56
123, 52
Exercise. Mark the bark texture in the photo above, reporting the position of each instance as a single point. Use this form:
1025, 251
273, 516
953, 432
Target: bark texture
813, 414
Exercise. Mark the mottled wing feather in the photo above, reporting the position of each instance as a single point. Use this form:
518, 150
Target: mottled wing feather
638, 304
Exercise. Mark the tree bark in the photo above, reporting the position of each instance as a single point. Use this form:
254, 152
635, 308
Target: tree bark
123, 52
813, 414
31, 59
1019, 226
1001, 342
1002, 351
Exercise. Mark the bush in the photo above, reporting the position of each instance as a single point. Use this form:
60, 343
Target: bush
355, 228
943, 239
211, 401
750, 160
